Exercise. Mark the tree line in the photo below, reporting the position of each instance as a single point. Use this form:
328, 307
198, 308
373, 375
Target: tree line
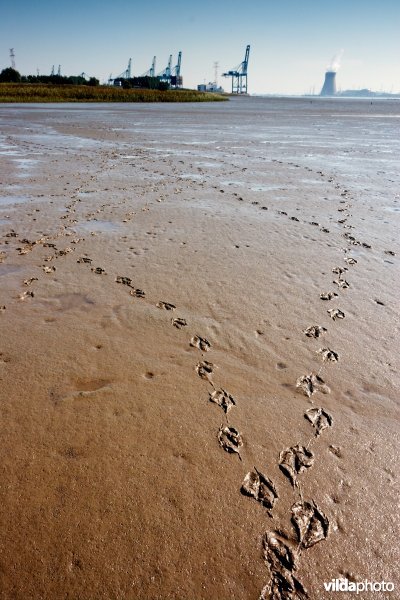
10, 75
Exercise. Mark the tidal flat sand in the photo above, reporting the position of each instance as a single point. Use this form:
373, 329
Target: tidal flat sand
199, 351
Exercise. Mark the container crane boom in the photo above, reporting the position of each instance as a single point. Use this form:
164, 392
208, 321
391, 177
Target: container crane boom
239, 75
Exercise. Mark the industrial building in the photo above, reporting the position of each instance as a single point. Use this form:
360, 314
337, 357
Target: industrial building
211, 86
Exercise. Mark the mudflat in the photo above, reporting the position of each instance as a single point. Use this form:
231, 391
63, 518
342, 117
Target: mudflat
199, 351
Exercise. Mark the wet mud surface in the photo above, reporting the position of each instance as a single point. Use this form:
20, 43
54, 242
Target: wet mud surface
199, 351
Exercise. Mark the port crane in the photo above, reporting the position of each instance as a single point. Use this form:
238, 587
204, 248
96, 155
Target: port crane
165, 75
170, 75
176, 78
152, 71
58, 71
12, 58
239, 75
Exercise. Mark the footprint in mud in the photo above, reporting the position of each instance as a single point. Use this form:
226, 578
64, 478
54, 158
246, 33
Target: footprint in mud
48, 269
324, 230
26, 250
351, 238
137, 293
27, 294
260, 487
314, 331
319, 419
390, 252
312, 383
339, 270
310, 523
230, 439
124, 280
314, 223
4, 358
350, 261
328, 355
179, 322
223, 399
341, 283
327, 295
379, 302
281, 366
294, 219
64, 252
336, 450
99, 271
200, 343
294, 461
365, 245
205, 369
165, 305
282, 561
336, 313
30, 280
84, 259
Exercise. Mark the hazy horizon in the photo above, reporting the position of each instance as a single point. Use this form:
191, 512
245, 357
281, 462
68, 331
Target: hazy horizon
292, 44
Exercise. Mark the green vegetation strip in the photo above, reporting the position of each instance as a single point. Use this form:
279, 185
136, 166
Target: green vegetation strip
25, 92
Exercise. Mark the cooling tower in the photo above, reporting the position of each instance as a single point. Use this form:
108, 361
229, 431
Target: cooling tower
329, 87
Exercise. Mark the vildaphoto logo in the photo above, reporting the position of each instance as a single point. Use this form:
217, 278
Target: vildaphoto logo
344, 585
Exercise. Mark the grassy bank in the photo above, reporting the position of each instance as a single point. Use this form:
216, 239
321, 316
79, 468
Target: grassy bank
26, 92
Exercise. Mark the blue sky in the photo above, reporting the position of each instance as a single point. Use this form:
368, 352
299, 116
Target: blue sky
292, 41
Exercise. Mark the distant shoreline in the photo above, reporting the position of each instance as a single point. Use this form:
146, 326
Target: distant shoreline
34, 93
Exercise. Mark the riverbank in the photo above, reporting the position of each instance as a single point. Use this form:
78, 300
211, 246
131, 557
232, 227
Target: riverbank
35, 93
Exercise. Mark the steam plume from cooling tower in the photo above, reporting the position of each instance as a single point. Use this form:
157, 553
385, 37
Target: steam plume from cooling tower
335, 62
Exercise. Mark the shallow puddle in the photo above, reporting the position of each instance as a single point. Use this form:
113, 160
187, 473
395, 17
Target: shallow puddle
99, 226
